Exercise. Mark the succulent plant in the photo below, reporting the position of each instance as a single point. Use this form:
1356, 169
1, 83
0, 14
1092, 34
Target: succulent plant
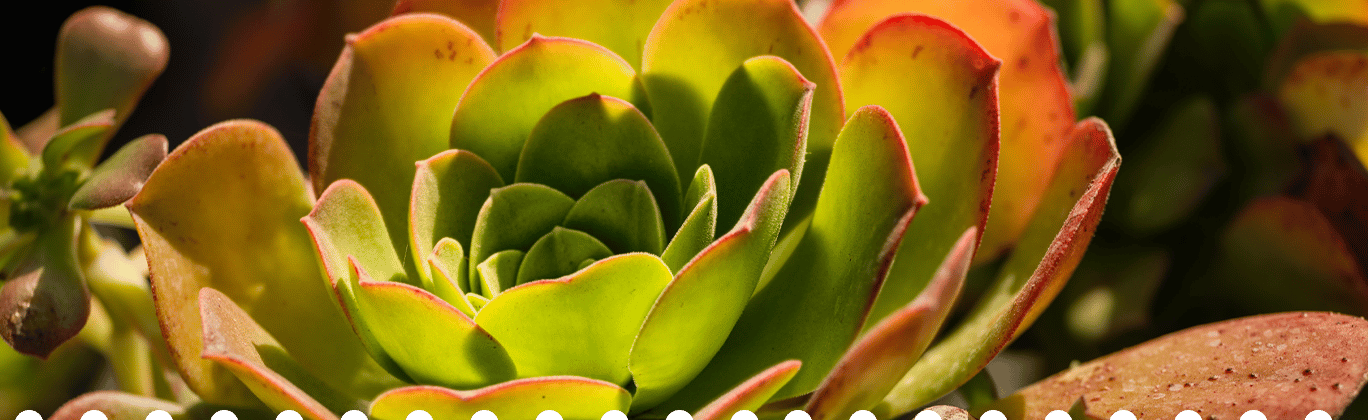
546, 221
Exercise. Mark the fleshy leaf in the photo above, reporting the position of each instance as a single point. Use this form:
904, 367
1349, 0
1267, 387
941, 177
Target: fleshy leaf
950, 412
1283, 13
943, 94
621, 27
47, 301
622, 214
582, 324
499, 272
514, 217
700, 306
105, 59
121, 176
479, 15
502, 105
574, 398
1036, 110
388, 104
868, 199
689, 57
587, 141
1037, 269
1336, 181
237, 343
1281, 253
14, 157
750, 395
74, 140
759, 124
1306, 39
1175, 168
875, 363
559, 253
223, 211
1284, 365
1321, 95
1137, 37
448, 191
346, 222
447, 267
430, 340
115, 406
700, 225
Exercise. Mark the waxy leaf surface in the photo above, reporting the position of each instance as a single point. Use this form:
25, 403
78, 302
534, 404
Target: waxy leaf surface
115, 406
1322, 95
587, 141
479, 15
875, 363
700, 224
694, 314
1036, 111
582, 324
513, 218
1284, 365
868, 198
693, 50
574, 398
940, 86
223, 211
46, 302
1037, 269
502, 105
237, 343
621, 213
751, 394
497, 273
346, 223
121, 176
448, 191
559, 253
620, 26
388, 104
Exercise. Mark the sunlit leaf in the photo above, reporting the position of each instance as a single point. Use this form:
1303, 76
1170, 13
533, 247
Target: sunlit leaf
574, 398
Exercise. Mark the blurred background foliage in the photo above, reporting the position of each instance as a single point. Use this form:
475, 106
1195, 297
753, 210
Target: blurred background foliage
1241, 122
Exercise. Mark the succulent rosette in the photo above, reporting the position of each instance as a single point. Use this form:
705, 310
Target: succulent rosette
640, 206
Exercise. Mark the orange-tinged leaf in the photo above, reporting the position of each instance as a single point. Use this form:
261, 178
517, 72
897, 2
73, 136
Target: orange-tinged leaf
223, 211
1323, 94
1284, 365
574, 398
236, 342
479, 15
1284, 13
620, 26
1036, 110
115, 406
876, 362
693, 49
941, 88
388, 104
1038, 268
750, 395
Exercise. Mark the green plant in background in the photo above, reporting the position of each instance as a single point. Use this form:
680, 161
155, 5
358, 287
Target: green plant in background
63, 280
699, 204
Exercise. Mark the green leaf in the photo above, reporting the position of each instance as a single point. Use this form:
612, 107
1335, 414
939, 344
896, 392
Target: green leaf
573, 398
75, 140
514, 217
237, 343
758, 125
14, 158
1032, 276
695, 313
1321, 97
700, 225
1269, 362
105, 59
115, 406
1175, 169
1282, 14
447, 266
121, 176
479, 15
687, 62
346, 222
46, 301
751, 394
559, 253
448, 191
622, 214
944, 97
875, 363
1034, 99
621, 27
587, 141
868, 198
582, 324
1137, 37
388, 104
502, 105
499, 272
223, 211
433, 342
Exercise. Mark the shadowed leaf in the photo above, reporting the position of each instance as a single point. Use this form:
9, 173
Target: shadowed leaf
574, 398
700, 224
448, 191
620, 26
750, 395
1322, 96
47, 302
121, 176
115, 406
513, 218
559, 253
621, 213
